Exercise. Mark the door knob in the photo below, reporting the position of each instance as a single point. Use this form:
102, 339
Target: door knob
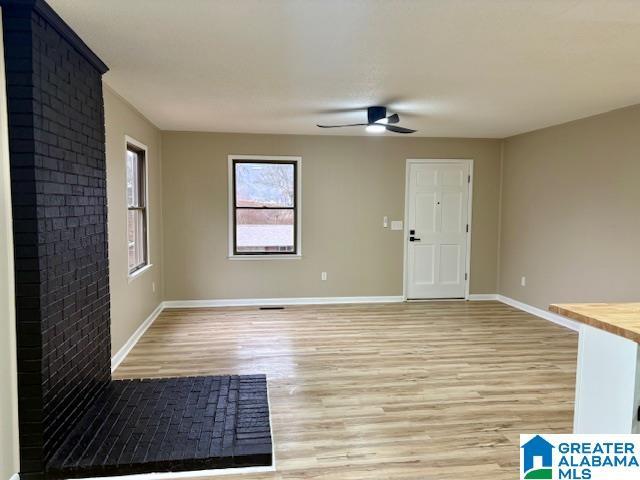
414, 239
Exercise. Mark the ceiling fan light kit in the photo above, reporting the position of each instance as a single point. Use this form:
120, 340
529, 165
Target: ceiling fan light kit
375, 128
377, 122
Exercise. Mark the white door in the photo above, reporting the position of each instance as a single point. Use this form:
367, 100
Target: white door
437, 218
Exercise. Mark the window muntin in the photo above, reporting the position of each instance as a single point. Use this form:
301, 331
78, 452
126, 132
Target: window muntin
136, 209
265, 213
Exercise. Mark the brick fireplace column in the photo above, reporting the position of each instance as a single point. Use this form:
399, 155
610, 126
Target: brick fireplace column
58, 180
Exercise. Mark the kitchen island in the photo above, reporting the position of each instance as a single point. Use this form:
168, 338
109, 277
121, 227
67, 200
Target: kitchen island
607, 378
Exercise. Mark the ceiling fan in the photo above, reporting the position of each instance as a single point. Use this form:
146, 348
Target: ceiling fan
377, 122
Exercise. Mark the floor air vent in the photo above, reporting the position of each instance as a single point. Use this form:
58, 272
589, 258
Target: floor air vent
271, 308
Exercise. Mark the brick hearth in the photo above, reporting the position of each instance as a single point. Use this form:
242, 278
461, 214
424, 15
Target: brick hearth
170, 424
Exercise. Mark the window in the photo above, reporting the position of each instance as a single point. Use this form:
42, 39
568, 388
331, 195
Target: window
136, 207
264, 206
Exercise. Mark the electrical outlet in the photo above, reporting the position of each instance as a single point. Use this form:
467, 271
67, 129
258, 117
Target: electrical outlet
153, 286
323, 276
523, 281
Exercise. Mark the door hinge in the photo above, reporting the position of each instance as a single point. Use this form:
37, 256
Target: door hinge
465, 276
467, 228
468, 178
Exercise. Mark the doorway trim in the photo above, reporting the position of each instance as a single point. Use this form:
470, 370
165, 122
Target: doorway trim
405, 270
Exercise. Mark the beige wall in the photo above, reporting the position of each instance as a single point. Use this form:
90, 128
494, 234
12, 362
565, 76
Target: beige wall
348, 185
570, 211
9, 461
132, 301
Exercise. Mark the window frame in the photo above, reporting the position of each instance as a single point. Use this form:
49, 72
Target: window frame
135, 146
296, 161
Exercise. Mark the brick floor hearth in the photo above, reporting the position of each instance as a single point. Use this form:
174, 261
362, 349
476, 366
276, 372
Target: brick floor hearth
170, 424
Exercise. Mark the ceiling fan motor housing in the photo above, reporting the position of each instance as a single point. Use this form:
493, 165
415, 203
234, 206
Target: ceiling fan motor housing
376, 113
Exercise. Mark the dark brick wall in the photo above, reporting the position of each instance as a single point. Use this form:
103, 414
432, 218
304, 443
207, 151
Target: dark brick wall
56, 142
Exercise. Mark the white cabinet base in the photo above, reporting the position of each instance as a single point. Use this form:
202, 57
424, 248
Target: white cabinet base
607, 384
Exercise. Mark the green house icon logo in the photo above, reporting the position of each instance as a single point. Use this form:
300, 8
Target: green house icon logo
537, 448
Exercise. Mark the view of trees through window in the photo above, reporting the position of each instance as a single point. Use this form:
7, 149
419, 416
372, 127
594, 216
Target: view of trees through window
136, 209
265, 207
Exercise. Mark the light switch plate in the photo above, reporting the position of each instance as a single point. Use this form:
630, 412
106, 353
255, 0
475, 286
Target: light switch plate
396, 224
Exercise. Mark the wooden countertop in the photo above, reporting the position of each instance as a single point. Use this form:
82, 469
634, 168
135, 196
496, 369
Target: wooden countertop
621, 319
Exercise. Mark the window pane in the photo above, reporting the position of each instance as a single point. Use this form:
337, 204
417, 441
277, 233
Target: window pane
136, 239
264, 231
132, 178
264, 185
134, 171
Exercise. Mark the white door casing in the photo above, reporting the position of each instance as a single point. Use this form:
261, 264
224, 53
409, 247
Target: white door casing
438, 214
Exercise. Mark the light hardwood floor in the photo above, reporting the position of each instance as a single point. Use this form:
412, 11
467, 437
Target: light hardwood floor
398, 391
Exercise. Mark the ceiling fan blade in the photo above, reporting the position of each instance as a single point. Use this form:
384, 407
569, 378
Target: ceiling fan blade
338, 126
393, 118
396, 129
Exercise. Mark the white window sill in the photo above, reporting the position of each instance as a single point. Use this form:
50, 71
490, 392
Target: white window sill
264, 257
138, 273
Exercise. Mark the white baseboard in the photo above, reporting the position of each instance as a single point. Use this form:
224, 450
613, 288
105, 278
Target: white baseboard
538, 312
244, 302
126, 348
187, 474
15, 476
476, 297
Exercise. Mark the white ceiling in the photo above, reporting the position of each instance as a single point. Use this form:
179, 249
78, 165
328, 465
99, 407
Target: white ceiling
463, 68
